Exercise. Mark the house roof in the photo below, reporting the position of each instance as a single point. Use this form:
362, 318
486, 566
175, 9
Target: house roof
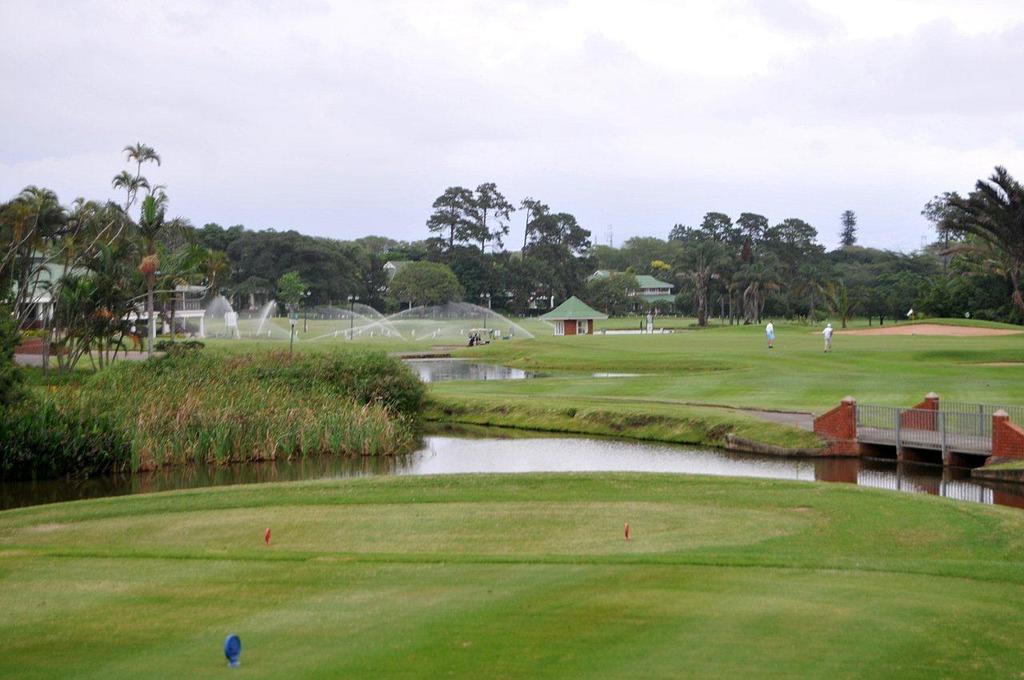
646, 281
643, 280
47, 274
573, 309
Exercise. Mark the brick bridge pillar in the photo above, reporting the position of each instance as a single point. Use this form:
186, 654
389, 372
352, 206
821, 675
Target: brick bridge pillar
1007, 438
916, 420
839, 427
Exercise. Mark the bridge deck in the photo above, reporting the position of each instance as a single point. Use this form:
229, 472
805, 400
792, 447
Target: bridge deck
926, 439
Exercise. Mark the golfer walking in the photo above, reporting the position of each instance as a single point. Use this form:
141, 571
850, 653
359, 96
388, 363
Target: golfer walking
769, 330
827, 334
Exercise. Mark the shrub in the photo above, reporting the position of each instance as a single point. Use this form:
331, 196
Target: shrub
46, 438
366, 377
10, 375
181, 346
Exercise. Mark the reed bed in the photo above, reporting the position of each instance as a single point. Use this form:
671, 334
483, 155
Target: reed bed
193, 407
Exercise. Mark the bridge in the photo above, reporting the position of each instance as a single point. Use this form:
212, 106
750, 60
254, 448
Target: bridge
955, 433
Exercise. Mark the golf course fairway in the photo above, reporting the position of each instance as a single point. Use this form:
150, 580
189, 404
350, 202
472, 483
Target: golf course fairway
515, 576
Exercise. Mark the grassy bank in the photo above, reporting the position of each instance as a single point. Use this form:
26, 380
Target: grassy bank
515, 576
679, 424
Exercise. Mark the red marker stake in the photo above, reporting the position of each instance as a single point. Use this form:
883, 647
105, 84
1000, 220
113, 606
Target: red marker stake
266, 536
627, 531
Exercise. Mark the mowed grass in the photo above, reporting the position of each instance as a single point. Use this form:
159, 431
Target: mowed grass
515, 576
732, 366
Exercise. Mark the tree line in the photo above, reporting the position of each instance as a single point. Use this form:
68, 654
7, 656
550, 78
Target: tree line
101, 260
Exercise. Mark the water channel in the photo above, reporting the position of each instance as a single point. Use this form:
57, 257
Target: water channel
503, 451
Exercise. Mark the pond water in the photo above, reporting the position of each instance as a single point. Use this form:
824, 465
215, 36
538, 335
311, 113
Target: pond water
440, 370
445, 454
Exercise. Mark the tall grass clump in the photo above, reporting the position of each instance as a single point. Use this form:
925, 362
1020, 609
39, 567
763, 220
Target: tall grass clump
194, 407
46, 436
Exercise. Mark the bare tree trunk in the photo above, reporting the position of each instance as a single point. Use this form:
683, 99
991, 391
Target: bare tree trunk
702, 303
173, 310
46, 339
1018, 299
151, 331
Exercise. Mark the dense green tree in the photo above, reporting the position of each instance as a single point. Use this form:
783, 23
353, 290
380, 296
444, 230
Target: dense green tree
613, 294
11, 377
848, 235
212, 236
331, 268
534, 209
425, 283
475, 272
719, 226
752, 225
489, 204
561, 245
453, 218
291, 290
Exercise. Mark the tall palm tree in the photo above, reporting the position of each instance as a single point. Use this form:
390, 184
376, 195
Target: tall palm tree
214, 266
837, 298
699, 265
994, 212
141, 153
761, 277
130, 184
33, 221
152, 223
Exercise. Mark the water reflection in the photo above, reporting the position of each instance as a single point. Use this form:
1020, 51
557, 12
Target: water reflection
440, 370
460, 454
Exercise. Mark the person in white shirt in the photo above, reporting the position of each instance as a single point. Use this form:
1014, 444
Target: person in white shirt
827, 334
769, 330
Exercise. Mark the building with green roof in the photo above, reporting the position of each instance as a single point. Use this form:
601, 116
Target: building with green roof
650, 290
573, 317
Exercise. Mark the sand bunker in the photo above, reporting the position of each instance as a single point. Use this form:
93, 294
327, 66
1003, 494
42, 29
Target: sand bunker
933, 329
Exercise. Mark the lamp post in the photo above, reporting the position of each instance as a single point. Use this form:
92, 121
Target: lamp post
305, 314
488, 296
352, 316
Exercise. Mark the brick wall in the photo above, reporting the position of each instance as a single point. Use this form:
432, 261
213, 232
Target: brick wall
839, 427
1007, 437
917, 420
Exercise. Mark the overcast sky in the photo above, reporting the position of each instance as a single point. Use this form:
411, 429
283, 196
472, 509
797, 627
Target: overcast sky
348, 118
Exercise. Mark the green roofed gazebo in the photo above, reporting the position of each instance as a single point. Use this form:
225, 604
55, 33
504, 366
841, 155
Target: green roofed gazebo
573, 317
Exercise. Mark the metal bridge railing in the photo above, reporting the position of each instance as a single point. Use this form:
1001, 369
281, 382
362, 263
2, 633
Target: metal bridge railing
877, 417
924, 428
983, 414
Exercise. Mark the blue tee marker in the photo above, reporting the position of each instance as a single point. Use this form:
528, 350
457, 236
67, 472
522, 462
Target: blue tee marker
232, 649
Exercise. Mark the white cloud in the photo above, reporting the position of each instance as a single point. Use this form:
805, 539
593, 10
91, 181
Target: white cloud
344, 118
